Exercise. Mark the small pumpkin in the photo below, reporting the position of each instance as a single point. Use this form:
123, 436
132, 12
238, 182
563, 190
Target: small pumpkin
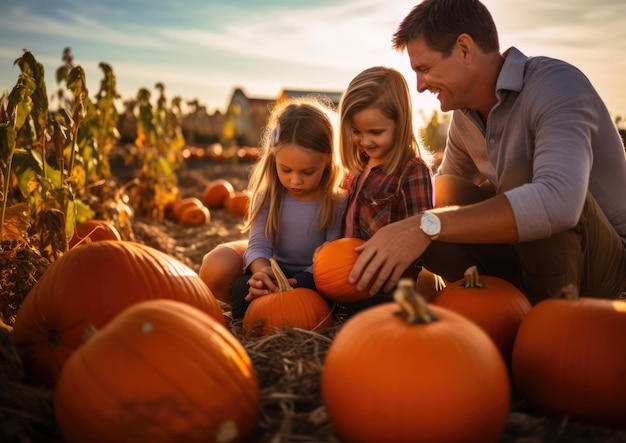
331, 268
93, 230
237, 203
492, 303
215, 193
90, 285
195, 216
569, 358
160, 371
406, 372
289, 307
180, 205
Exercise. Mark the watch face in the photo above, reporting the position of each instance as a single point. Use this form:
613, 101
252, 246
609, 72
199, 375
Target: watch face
430, 224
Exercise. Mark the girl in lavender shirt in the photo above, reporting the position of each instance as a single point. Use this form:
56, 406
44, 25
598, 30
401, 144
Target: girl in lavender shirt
295, 200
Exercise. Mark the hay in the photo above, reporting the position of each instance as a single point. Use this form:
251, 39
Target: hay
289, 366
26, 412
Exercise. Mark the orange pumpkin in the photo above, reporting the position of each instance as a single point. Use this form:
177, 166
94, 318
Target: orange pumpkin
160, 371
93, 230
179, 206
331, 269
406, 372
90, 285
492, 303
237, 203
289, 307
569, 358
195, 216
216, 192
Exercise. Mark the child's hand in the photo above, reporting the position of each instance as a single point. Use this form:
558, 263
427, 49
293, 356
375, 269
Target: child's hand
261, 283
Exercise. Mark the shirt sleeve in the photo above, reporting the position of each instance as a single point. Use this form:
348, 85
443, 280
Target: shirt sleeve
563, 124
259, 246
417, 188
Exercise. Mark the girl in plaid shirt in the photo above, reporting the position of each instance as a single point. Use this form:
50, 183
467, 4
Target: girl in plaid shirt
388, 180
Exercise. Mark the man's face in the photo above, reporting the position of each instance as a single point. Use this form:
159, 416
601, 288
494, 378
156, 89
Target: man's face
443, 77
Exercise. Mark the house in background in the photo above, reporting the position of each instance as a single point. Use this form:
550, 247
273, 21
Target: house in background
246, 116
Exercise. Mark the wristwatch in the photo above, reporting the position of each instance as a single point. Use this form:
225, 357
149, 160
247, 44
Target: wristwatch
430, 225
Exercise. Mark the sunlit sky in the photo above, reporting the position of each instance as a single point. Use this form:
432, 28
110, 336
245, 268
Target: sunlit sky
203, 49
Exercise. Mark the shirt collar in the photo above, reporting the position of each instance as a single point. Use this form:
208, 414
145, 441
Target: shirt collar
511, 76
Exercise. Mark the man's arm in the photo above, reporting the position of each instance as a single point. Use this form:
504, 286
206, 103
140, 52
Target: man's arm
395, 246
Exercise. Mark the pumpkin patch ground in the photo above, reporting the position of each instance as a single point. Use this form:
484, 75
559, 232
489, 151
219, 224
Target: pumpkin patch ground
288, 363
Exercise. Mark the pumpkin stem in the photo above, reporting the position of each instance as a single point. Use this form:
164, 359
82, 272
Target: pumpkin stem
281, 280
472, 279
568, 292
413, 306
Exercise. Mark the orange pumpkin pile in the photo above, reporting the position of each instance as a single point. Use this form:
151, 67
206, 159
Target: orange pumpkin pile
90, 285
160, 371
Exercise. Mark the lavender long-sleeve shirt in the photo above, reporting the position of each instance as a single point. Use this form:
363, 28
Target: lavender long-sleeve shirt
298, 237
547, 112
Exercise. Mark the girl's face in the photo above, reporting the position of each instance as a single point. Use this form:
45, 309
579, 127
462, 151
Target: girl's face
373, 133
300, 171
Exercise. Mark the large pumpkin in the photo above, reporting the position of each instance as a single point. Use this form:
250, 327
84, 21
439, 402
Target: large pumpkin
289, 307
400, 372
160, 371
216, 191
331, 269
569, 358
90, 285
93, 230
492, 303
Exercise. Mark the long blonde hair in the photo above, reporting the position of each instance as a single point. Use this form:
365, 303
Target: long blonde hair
384, 89
309, 123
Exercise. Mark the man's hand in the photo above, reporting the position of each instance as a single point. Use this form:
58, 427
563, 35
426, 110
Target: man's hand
389, 252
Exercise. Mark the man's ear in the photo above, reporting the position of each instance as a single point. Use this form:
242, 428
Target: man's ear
466, 47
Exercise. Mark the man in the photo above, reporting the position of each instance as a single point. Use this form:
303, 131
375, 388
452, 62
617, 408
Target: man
531, 184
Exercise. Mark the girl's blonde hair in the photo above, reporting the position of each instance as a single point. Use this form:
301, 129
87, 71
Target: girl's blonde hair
308, 122
384, 89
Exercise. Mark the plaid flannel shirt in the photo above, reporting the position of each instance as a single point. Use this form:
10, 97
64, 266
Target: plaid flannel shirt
386, 198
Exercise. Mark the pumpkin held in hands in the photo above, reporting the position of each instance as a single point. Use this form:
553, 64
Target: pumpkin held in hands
289, 307
405, 372
160, 371
331, 269
90, 285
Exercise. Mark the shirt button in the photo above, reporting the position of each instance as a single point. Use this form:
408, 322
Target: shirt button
492, 140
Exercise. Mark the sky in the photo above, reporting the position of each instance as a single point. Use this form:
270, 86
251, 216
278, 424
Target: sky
203, 49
